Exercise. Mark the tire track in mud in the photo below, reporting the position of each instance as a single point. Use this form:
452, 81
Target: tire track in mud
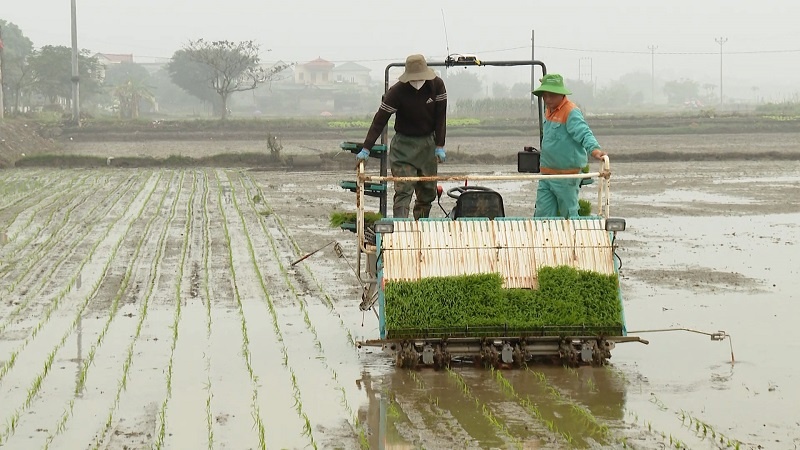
65, 246
103, 359
109, 249
32, 323
284, 284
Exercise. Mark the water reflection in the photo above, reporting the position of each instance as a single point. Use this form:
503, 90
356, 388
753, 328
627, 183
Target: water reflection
535, 407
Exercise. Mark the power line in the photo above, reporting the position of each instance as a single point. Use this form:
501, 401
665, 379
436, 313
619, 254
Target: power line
641, 52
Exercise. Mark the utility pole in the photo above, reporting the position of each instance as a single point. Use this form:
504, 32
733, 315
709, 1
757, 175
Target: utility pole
534, 98
2, 105
653, 71
720, 41
76, 109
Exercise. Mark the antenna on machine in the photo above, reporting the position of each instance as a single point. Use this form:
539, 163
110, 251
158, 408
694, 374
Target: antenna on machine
446, 42
452, 58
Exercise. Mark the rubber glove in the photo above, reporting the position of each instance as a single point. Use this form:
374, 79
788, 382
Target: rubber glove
363, 154
440, 154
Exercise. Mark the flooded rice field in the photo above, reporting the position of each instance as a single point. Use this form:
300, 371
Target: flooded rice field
160, 309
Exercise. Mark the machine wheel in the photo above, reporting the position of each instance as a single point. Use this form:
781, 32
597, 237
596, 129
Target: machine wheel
567, 354
441, 359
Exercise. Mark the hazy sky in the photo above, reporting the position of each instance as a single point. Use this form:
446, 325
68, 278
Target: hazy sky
762, 48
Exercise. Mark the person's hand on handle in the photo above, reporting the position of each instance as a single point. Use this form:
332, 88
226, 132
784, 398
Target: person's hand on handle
363, 155
440, 155
598, 154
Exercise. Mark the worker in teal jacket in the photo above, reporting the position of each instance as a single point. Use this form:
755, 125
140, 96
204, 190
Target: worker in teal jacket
567, 141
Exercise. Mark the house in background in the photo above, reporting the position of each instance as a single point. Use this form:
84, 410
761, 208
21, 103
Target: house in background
109, 59
314, 73
351, 73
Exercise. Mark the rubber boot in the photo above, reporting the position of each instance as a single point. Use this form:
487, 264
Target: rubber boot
400, 212
422, 212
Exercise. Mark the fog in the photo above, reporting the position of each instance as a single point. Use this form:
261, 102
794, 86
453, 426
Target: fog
582, 39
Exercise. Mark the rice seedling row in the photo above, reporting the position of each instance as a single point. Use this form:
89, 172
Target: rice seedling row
55, 303
209, 406
122, 384
60, 231
486, 411
31, 231
162, 416
531, 407
85, 410
308, 429
358, 427
429, 421
258, 422
91, 220
13, 420
297, 252
23, 197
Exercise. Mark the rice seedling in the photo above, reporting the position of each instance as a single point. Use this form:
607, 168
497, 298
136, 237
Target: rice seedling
36, 385
256, 412
566, 297
162, 425
121, 292
355, 423
206, 290
483, 408
338, 218
327, 301
33, 291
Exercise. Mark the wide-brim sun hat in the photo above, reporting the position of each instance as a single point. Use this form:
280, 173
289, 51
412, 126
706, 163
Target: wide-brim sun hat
417, 69
552, 82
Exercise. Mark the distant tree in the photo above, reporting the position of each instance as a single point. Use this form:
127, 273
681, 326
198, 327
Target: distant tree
520, 90
640, 83
500, 90
17, 75
193, 77
223, 66
463, 84
174, 99
614, 95
582, 92
128, 87
130, 95
52, 69
117, 74
681, 91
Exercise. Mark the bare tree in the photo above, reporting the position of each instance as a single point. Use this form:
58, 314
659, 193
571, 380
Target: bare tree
232, 67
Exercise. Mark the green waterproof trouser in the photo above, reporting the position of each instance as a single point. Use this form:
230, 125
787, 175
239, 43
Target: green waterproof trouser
557, 198
413, 157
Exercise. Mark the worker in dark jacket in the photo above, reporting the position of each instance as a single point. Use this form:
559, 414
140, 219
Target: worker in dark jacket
567, 142
419, 101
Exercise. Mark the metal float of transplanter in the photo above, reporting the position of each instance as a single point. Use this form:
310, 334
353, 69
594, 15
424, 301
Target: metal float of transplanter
477, 234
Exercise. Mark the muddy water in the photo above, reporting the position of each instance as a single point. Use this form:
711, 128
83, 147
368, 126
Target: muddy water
222, 343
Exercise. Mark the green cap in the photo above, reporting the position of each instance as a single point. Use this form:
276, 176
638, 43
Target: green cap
554, 83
